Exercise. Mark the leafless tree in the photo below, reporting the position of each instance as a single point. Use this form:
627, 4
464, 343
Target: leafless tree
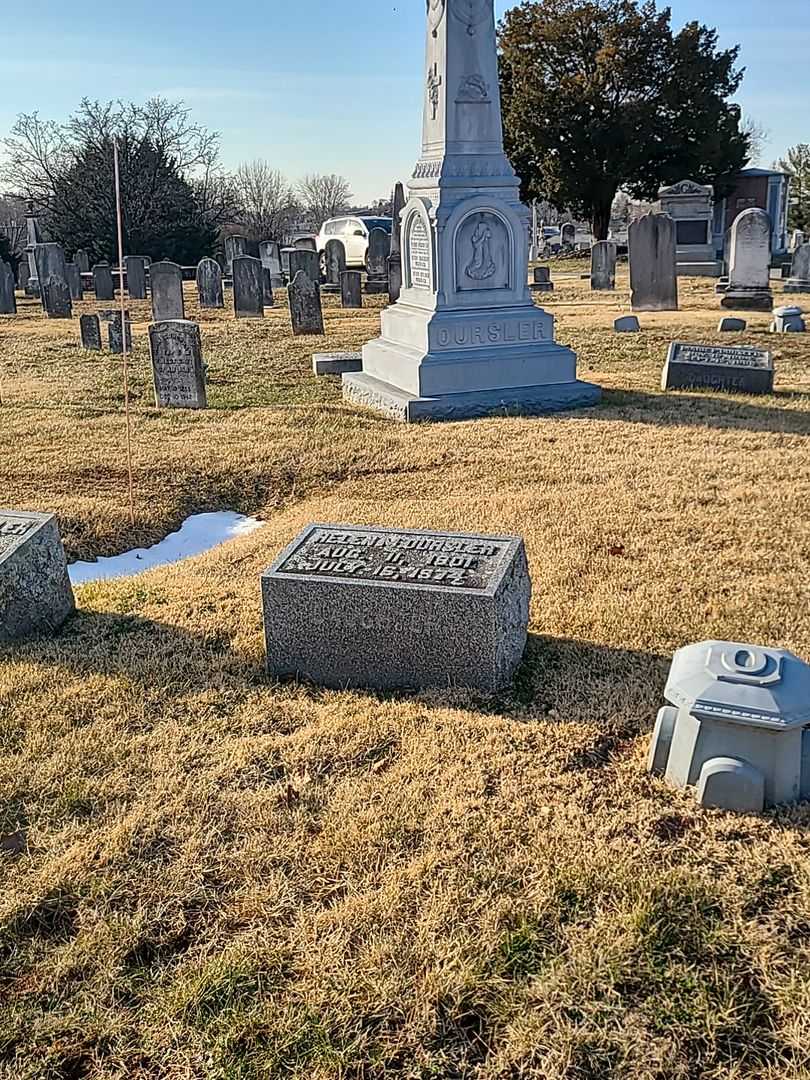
12, 225
266, 200
758, 136
324, 196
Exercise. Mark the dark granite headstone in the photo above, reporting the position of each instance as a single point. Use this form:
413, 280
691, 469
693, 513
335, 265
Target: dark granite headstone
177, 368
653, 267
8, 301
395, 257
209, 284
351, 289
115, 337
335, 263
135, 266
82, 260
306, 314
286, 254
35, 591
74, 278
267, 282
248, 287
379, 243
52, 275
305, 243
103, 281
234, 247
308, 261
167, 292
90, 332
718, 367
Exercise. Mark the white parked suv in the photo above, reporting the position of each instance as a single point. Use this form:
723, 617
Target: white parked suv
353, 233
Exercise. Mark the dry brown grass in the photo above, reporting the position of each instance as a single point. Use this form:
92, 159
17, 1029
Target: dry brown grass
211, 876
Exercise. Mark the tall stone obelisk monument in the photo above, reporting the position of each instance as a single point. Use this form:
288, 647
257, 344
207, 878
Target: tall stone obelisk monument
465, 338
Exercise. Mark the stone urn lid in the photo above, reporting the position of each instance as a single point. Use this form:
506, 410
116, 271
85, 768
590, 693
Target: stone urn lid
789, 311
741, 684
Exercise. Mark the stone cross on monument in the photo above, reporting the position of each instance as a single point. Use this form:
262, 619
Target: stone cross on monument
465, 338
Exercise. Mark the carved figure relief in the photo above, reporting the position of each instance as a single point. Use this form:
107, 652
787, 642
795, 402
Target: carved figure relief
470, 12
434, 83
482, 266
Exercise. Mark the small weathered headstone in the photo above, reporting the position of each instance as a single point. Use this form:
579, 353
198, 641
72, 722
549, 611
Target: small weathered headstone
397, 609
90, 332
52, 275
653, 272
568, 234
308, 261
82, 260
35, 591
788, 320
167, 292
234, 247
177, 367
351, 289
209, 284
286, 254
729, 325
736, 728
627, 324
115, 337
8, 301
718, 367
377, 261
267, 283
541, 280
305, 243
306, 315
270, 255
335, 363
799, 280
103, 281
75, 284
603, 265
248, 287
135, 266
335, 264
749, 286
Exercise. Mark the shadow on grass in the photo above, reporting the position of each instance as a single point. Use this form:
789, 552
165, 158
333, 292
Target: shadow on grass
676, 409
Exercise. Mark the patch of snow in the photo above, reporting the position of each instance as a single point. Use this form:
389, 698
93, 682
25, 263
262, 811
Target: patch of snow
197, 534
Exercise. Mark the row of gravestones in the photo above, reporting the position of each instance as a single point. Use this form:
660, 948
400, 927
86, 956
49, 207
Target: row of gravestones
737, 726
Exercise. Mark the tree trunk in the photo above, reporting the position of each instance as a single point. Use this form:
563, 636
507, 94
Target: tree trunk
600, 218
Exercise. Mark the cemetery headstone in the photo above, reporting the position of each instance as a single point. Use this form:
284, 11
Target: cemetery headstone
135, 266
75, 284
8, 301
351, 289
653, 275
436, 609
35, 591
568, 234
740, 370
395, 257
728, 325
234, 247
209, 284
166, 279
82, 260
286, 254
34, 237
542, 280
308, 261
749, 285
267, 283
270, 254
305, 243
603, 265
466, 338
103, 285
115, 336
248, 287
736, 728
177, 366
90, 332
306, 315
799, 280
627, 324
52, 276
335, 363
22, 272
691, 207
377, 261
335, 259
788, 320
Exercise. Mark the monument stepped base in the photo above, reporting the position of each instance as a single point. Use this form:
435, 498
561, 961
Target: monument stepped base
361, 389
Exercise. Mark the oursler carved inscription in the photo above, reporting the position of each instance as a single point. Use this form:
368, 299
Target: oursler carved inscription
396, 557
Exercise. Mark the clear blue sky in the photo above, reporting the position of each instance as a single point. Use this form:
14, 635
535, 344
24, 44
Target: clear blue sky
324, 85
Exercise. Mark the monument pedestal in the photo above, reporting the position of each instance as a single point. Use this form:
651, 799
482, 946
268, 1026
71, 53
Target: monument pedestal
465, 338
741, 299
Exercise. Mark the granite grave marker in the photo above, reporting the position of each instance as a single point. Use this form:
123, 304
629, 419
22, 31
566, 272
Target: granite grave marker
740, 370
167, 292
177, 366
35, 591
248, 287
209, 284
306, 314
